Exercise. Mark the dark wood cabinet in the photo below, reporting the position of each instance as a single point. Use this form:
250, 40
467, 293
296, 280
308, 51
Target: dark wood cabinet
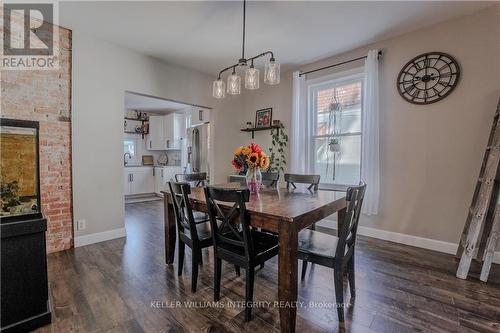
24, 287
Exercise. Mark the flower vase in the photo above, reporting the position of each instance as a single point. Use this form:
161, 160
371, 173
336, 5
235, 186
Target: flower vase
254, 180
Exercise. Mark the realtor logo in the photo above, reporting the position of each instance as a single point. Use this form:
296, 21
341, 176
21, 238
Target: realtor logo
28, 29
30, 36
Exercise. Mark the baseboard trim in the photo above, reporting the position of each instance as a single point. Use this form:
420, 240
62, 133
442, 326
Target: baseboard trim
100, 237
425, 243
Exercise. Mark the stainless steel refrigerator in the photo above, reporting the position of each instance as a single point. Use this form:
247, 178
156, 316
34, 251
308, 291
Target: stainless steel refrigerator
198, 147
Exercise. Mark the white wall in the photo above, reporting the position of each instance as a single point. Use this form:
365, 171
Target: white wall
430, 155
102, 72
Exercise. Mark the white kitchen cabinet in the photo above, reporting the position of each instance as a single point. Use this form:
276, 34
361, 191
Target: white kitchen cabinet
156, 135
199, 116
174, 129
159, 180
163, 175
138, 180
165, 132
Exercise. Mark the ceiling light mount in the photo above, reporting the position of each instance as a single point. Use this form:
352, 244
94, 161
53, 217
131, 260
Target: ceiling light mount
271, 76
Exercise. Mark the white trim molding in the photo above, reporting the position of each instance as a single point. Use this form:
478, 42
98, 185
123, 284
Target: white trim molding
424, 243
100, 237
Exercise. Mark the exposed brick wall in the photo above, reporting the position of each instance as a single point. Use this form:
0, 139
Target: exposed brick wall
45, 96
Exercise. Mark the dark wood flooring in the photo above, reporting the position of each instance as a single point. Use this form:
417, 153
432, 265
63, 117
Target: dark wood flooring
124, 286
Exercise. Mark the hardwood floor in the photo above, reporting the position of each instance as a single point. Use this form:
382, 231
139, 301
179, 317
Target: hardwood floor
124, 286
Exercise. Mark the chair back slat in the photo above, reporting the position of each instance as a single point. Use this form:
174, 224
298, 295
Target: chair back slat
238, 179
230, 226
197, 179
270, 179
182, 208
291, 179
347, 234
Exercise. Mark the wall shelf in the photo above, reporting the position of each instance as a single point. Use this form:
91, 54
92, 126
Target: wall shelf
257, 129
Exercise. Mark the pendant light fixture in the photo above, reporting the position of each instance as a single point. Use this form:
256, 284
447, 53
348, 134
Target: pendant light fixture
252, 74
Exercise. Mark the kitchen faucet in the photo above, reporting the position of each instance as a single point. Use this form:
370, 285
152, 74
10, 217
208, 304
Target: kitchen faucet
124, 160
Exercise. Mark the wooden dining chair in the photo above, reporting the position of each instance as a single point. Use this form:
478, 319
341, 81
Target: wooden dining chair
197, 179
270, 179
335, 252
292, 179
235, 241
195, 234
238, 179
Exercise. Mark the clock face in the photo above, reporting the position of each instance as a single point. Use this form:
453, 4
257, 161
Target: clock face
428, 78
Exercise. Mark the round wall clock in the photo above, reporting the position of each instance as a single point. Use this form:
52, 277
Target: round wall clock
428, 78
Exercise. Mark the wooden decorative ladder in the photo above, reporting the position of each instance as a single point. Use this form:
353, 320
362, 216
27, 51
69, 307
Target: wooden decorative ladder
482, 228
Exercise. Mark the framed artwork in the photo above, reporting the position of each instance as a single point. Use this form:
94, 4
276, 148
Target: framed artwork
263, 118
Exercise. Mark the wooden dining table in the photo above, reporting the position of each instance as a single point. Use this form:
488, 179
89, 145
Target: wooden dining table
282, 211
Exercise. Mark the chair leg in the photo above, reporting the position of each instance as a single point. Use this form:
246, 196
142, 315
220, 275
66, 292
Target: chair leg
351, 277
194, 267
249, 292
339, 294
304, 270
200, 256
237, 269
180, 263
217, 276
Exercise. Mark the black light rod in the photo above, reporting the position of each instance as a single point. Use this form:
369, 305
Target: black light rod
338, 64
244, 16
252, 58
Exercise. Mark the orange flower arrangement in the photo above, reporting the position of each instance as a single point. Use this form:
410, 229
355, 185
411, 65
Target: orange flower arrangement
251, 156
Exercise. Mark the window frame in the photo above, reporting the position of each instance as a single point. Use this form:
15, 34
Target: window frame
312, 86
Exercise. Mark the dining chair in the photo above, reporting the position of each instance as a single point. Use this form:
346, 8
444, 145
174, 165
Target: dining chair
193, 233
198, 179
238, 179
312, 180
292, 179
335, 252
270, 179
234, 240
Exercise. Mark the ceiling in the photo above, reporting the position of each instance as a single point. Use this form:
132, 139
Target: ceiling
206, 35
150, 103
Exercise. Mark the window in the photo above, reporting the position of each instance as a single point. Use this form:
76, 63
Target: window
130, 147
335, 112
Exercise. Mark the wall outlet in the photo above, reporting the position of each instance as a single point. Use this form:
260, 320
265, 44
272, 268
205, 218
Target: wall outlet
81, 224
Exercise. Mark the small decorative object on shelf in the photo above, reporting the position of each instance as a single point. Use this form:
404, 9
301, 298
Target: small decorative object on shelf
263, 117
249, 125
249, 160
276, 122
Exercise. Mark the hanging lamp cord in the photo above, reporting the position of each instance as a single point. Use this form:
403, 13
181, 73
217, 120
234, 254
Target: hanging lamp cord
244, 17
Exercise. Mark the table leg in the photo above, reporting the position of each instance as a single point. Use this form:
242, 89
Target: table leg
169, 225
340, 219
287, 276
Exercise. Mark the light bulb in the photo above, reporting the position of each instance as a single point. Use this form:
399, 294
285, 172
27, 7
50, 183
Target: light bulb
219, 90
233, 84
252, 78
272, 72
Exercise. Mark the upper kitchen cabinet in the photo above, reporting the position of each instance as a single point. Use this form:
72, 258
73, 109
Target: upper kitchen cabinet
156, 136
198, 116
174, 128
165, 132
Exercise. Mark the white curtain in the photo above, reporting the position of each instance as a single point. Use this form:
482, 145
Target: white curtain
298, 134
370, 164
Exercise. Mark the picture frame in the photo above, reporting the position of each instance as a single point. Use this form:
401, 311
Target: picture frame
263, 118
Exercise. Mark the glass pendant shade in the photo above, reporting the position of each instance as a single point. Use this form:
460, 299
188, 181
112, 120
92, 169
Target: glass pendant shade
252, 78
272, 73
219, 90
234, 84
